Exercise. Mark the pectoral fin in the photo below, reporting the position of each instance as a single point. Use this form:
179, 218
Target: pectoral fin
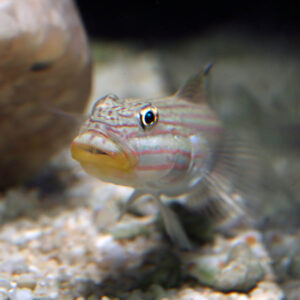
173, 227
234, 177
171, 222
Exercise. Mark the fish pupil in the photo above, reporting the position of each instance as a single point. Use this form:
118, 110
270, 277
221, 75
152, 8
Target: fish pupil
149, 117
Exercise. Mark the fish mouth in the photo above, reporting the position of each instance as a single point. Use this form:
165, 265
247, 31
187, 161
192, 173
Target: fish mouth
100, 156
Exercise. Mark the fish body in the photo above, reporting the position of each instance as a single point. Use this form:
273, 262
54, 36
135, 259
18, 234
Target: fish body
165, 146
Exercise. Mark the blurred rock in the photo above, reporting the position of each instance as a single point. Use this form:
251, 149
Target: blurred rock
242, 270
236, 264
284, 248
45, 65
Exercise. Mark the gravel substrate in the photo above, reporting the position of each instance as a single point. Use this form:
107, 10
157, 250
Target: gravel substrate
75, 249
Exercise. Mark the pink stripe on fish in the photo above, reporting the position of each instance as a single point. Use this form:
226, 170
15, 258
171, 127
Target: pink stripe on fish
162, 151
189, 116
176, 106
162, 167
166, 151
192, 125
113, 125
137, 134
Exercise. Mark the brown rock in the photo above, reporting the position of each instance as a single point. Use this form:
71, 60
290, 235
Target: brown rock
45, 63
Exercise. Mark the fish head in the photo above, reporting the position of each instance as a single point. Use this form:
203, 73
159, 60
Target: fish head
133, 142
100, 146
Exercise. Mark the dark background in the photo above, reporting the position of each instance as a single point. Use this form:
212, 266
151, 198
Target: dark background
147, 21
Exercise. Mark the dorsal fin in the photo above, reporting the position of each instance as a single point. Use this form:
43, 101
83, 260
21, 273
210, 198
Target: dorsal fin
193, 90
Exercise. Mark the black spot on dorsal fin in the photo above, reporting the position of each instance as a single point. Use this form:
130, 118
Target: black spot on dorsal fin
193, 90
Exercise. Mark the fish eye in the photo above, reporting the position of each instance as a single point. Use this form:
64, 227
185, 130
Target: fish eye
148, 117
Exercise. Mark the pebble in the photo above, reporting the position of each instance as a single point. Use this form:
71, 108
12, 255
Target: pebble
22, 294
267, 291
5, 283
242, 270
26, 280
230, 265
4, 294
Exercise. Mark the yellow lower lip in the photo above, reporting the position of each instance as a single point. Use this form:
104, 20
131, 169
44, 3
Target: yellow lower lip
102, 165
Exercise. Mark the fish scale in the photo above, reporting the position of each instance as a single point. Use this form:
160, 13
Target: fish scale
168, 146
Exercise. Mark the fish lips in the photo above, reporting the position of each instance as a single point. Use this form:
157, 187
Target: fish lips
101, 156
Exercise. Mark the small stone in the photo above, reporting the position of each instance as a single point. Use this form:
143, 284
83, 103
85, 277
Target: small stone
49, 296
113, 254
242, 271
4, 294
131, 229
15, 265
267, 290
27, 280
188, 294
46, 297
5, 283
205, 268
21, 294
28, 236
46, 290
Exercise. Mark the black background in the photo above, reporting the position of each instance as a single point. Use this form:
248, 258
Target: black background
147, 21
